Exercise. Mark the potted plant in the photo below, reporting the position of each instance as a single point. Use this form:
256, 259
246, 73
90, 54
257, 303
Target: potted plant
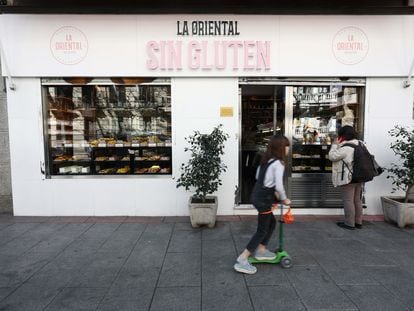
202, 174
400, 209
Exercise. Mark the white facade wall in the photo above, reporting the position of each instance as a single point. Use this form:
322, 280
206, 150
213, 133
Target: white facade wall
196, 106
301, 46
387, 104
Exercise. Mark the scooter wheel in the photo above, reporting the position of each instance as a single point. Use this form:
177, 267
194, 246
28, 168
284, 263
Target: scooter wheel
286, 262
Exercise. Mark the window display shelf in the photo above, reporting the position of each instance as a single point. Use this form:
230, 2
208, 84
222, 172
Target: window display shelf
108, 129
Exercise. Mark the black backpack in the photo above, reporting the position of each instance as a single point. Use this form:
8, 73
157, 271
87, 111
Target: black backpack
365, 168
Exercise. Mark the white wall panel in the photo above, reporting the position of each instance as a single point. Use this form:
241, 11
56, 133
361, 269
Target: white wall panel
116, 196
387, 104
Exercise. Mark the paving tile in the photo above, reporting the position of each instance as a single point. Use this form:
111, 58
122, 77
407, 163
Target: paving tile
73, 230
84, 245
4, 225
177, 219
21, 268
5, 291
29, 298
229, 297
217, 263
220, 232
181, 269
269, 275
158, 232
397, 281
94, 277
145, 220
185, 241
136, 227
374, 298
357, 275
177, 299
185, 226
214, 249
100, 231
118, 245
19, 246
43, 231
348, 252
53, 276
134, 277
101, 272
73, 260
316, 289
54, 244
278, 298
132, 299
77, 299
15, 230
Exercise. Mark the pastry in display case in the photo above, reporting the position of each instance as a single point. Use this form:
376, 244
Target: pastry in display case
107, 126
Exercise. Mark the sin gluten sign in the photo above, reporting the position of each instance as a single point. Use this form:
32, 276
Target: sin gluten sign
208, 45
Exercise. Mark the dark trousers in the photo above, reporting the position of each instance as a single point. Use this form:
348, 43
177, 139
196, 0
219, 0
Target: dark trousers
265, 226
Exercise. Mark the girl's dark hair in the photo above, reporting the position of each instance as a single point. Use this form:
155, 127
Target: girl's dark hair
276, 149
347, 132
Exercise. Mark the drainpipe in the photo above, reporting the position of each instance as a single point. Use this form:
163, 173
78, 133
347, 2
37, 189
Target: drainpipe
12, 85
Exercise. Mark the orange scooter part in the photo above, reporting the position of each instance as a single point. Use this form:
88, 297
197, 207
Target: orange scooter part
288, 217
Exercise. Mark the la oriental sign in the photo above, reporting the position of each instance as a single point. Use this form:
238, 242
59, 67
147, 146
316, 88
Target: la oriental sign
202, 54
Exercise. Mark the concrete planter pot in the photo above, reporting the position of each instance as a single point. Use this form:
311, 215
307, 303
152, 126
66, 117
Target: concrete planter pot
395, 210
203, 213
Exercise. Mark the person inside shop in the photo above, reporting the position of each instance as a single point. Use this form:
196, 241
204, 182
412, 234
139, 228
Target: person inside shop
268, 187
342, 158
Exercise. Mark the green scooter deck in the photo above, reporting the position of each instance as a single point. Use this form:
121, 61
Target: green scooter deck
278, 259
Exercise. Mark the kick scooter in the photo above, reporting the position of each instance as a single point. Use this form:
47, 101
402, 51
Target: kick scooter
282, 256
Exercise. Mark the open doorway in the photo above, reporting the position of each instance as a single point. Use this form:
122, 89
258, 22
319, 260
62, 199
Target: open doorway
263, 115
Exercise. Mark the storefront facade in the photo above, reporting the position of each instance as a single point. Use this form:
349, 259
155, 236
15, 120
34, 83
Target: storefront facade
102, 104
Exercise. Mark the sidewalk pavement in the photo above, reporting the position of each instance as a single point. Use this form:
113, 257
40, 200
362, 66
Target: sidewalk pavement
161, 263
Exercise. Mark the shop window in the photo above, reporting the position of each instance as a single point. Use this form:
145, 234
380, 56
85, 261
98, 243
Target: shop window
107, 126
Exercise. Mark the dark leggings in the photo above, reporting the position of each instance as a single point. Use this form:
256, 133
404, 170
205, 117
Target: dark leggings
265, 227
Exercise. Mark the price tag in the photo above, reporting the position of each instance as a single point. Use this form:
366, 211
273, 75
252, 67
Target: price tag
85, 145
102, 145
68, 145
134, 145
167, 144
152, 145
324, 147
119, 145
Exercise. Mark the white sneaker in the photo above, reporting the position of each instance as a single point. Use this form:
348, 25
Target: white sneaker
245, 267
264, 255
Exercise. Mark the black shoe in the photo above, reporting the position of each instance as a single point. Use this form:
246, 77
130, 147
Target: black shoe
344, 225
358, 226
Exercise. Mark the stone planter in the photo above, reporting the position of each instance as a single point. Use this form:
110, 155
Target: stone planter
395, 210
203, 213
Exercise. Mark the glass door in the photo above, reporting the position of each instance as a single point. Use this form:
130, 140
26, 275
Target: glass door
262, 115
317, 112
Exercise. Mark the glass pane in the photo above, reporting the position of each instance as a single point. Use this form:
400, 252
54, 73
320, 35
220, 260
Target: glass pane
108, 129
318, 113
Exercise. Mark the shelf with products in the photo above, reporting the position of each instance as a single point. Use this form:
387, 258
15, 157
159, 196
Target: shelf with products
310, 158
115, 161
